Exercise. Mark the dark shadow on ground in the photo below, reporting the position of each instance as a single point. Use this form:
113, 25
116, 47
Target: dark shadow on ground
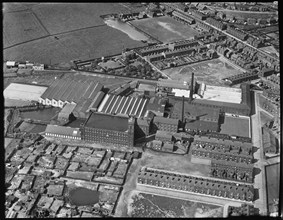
255, 160
256, 194
221, 119
257, 171
255, 149
253, 103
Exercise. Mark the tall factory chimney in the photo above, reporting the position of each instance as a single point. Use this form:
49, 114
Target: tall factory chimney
183, 107
192, 87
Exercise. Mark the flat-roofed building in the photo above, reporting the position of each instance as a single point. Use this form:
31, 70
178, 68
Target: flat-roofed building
104, 128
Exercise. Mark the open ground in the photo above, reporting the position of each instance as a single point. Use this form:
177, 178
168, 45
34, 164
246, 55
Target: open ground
42, 33
165, 28
272, 179
150, 205
239, 126
210, 72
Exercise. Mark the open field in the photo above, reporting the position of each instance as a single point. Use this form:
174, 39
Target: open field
210, 72
80, 33
82, 44
149, 205
175, 163
21, 27
165, 29
272, 179
63, 17
13, 7
236, 126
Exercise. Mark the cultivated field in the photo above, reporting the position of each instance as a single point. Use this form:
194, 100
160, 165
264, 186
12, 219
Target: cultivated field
149, 205
19, 27
165, 29
272, 177
235, 126
210, 72
63, 17
82, 44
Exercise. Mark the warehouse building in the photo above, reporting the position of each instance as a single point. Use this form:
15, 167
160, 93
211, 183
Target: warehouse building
69, 91
104, 128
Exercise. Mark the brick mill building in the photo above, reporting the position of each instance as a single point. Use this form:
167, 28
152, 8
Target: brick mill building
103, 128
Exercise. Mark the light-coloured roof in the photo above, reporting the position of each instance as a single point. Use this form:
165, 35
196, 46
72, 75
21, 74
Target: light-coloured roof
24, 92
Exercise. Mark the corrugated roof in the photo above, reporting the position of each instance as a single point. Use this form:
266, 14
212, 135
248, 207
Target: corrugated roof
96, 101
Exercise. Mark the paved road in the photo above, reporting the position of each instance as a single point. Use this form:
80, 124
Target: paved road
259, 180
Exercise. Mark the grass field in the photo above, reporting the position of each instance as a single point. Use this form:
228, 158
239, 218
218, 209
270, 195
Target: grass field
149, 205
82, 44
235, 126
64, 17
210, 72
272, 177
13, 7
165, 29
30, 30
20, 27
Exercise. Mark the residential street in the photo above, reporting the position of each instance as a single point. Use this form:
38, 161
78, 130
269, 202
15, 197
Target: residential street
259, 180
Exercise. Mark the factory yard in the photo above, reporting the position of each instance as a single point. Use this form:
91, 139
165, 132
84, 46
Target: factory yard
175, 163
209, 72
149, 205
165, 29
238, 126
